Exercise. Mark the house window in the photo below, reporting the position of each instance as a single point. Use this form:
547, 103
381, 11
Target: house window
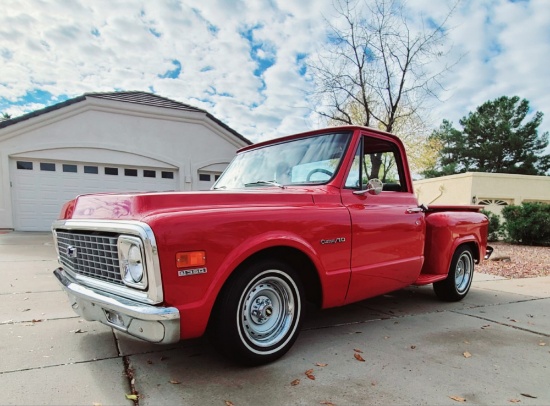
167, 175
204, 177
91, 169
111, 171
130, 172
497, 202
149, 174
24, 165
47, 167
69, 168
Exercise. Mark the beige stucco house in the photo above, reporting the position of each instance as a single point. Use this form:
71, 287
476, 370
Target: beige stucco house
494, 190
106, 142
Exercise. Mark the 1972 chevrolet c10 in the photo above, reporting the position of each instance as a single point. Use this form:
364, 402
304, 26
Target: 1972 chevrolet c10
327, 216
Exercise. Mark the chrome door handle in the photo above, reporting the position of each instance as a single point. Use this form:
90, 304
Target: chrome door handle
414, 210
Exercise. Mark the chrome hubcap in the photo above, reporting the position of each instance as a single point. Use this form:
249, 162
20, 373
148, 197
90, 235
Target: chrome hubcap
463, 273
262, 310
267, 310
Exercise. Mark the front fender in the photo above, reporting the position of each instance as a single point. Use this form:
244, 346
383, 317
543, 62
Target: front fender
232, 236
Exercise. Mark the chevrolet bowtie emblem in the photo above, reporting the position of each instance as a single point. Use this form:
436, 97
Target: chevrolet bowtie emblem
72, 252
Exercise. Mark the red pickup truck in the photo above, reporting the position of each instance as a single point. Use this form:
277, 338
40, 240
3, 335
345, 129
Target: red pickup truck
327, 216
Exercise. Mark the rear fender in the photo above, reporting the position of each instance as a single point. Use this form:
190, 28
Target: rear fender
445, 232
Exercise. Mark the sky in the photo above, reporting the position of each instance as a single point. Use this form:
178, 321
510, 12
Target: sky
245, 62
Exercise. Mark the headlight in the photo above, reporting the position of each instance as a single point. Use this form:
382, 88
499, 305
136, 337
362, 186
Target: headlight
132, 262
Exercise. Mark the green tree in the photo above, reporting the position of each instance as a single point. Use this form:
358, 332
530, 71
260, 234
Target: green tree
5, 116
495, 138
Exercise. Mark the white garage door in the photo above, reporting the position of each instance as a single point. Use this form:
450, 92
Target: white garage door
41, 187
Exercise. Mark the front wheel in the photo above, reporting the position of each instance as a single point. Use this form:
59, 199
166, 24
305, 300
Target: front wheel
258, 315
461, 272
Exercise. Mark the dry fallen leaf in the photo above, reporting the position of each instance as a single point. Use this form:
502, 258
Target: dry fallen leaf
467, 354
528, 396
309, 374
457, 398
229, 403
309, 371
96, 404
174, 382
356, 350
295, 382
542, 344
327, 403
80, 331
321, 365
413, 347
514, 401
358, 357
132, 397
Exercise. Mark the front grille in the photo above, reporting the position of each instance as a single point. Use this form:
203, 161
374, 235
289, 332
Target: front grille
92, 255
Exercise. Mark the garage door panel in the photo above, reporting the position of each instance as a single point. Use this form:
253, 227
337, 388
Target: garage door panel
39, 195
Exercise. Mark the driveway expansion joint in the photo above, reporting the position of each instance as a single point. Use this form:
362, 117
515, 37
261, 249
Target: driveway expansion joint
503, 324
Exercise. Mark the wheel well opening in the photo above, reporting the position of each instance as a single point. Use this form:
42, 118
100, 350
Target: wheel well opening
301, 263
474, 248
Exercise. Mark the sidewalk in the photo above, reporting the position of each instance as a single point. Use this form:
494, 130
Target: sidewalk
491, 348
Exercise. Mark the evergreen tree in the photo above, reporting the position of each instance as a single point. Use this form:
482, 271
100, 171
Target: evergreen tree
493, 139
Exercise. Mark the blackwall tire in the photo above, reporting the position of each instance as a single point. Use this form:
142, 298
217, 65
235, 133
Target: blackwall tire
459, 280
259, 313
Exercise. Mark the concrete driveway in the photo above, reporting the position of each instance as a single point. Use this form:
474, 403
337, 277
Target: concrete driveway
491, 348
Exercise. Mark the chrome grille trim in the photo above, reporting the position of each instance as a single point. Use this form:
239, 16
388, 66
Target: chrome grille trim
96, 255
154, 293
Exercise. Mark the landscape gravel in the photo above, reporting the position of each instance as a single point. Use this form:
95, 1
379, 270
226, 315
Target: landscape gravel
516, 261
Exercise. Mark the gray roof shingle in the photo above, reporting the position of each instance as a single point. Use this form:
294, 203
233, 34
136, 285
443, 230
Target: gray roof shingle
147, 99
137, 97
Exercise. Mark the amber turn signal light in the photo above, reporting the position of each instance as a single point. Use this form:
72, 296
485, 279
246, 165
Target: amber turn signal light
192, 258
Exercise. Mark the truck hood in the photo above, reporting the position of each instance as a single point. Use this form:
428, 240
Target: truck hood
136, 206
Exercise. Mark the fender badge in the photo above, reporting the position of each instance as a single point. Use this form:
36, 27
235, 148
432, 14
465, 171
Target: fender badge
189, 272
334, 241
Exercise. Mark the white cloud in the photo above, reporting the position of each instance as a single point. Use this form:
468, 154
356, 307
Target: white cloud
505, 49
69, 47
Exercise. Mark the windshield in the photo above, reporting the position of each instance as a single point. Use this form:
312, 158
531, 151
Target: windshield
310, 160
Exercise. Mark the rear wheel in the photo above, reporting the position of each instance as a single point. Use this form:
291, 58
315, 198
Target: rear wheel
461, 272
257, 318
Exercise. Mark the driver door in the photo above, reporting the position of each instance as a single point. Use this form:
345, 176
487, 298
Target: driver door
387, 229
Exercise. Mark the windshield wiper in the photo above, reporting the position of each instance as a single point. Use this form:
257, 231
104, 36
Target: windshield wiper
264, 182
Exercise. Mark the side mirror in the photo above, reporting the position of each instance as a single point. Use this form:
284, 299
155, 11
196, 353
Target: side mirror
374, 187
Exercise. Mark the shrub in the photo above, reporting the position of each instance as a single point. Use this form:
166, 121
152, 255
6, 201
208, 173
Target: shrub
495, 228
528, 224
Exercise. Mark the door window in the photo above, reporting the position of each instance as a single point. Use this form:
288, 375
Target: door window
380, 159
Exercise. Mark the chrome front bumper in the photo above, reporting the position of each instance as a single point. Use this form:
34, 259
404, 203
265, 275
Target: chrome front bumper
150, 323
